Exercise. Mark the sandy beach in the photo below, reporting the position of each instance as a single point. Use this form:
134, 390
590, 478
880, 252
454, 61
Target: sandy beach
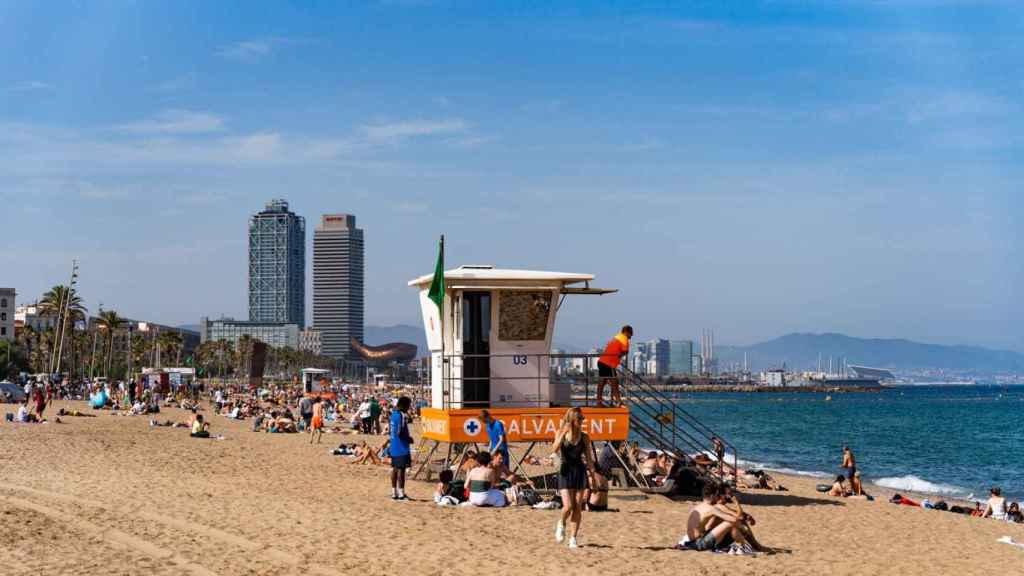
111, 495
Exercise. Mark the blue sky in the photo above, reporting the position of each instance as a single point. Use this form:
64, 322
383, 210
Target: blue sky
756, 168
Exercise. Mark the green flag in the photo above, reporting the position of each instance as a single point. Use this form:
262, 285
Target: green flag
436, 293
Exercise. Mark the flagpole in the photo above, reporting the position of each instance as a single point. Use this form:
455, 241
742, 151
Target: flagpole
444, 380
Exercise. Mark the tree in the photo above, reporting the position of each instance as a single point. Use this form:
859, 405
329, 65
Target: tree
109, 321
55, 303
170, 344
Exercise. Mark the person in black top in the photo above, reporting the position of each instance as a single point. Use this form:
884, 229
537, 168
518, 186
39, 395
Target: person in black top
572, 447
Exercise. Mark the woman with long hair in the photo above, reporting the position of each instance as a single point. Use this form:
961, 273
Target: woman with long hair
572, 447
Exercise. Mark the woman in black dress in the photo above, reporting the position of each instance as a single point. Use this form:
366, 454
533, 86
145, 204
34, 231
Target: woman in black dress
572, 447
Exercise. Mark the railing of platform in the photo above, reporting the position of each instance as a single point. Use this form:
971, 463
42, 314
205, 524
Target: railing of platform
656, 417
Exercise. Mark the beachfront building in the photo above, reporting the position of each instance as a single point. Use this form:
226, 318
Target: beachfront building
276, 334
7, 313
30, 316
680, 357
277, 266
310, 341
338, 284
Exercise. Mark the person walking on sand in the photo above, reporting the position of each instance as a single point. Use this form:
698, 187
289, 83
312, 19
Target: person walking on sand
401, 441
572, 446
316, 423
608, 363
849, 463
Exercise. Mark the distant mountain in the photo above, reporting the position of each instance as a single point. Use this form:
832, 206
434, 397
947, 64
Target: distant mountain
192, 327
377, 335
801, 352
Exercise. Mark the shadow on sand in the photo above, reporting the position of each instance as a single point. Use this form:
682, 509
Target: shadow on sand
784, 499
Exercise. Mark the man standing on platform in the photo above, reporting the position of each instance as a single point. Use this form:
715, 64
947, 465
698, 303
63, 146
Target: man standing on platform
496, 435
608, 363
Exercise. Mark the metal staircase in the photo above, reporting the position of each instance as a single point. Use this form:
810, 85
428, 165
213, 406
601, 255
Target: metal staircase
659, 422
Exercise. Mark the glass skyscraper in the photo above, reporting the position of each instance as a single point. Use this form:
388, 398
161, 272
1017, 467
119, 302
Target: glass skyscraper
277, 265
338, 284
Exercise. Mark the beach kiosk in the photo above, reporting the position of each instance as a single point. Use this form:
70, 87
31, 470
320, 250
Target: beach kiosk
490, 347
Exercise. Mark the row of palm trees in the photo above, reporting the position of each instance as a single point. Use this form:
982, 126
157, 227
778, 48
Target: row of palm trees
89, 348
100, 346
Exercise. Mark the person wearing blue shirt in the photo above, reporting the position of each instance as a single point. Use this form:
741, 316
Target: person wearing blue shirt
399, 449
496, 436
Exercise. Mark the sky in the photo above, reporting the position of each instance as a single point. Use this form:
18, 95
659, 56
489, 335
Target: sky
756, 168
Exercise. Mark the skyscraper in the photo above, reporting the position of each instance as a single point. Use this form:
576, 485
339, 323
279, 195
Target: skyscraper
277, 265
338, 283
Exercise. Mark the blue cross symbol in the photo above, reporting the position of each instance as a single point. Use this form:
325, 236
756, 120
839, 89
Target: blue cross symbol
472, 426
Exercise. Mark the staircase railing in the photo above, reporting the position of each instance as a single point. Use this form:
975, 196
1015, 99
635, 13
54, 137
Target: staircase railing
660, 421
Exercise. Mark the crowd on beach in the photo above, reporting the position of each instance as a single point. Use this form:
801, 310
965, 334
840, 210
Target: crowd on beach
485, 478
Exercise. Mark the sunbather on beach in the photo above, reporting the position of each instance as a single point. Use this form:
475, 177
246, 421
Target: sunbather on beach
710, 527
76, 413
200, 429
364, 454
596, 493
856, 487
650, 468
729, 501
839, 488
444, 495
483, 481
995, 508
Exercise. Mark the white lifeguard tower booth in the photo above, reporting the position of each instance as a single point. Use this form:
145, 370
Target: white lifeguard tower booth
494, 352
311, 381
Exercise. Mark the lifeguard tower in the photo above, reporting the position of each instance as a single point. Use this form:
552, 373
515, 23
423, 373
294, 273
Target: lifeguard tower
495, 353
313, 382
490, 347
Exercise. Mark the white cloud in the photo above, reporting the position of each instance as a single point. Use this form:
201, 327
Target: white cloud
176, 122
247, 50
28, 86
397, 131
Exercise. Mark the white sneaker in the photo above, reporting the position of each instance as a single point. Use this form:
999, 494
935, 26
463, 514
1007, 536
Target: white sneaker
572, 543
560, 533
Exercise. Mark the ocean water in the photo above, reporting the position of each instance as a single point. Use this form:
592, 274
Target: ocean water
948, 440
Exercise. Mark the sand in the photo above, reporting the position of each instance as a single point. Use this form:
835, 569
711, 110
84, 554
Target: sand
111, 495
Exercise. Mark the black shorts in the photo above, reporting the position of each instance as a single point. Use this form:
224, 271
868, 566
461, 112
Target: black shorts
605, 371
401, 462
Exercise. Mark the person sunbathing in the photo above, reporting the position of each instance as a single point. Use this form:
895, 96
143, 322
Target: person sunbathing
469, 463
839, 488
76, 413
856, 487
596, 493
483, 483
710, 527
730, 502
995, 508
650, 469
200, 429
364, 453
445, 494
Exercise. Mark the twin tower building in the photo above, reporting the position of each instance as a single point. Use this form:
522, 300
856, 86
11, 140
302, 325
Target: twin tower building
277, 279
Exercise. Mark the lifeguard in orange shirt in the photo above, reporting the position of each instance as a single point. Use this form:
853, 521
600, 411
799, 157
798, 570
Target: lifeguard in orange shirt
608, 363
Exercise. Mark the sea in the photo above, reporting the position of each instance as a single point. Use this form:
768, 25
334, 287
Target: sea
946, 440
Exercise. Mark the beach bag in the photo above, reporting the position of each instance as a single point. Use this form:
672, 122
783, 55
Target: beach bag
941, 505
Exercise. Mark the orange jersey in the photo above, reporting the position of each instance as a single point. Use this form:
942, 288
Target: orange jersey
613, 352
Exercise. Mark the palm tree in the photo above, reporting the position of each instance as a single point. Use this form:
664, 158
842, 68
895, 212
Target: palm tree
170, 344
55, 303
109, 321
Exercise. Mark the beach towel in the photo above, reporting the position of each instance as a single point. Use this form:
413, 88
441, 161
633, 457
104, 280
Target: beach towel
1011, 542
